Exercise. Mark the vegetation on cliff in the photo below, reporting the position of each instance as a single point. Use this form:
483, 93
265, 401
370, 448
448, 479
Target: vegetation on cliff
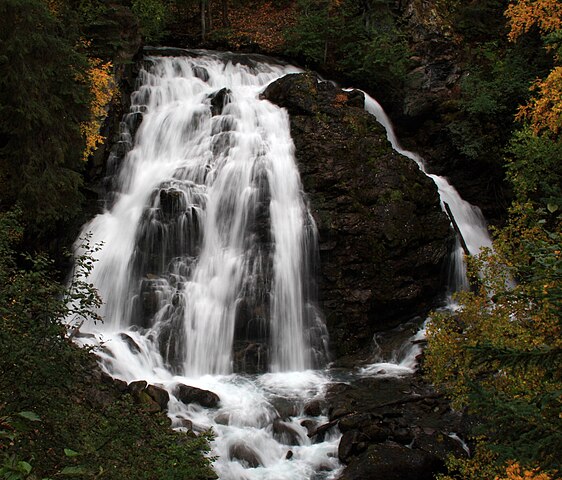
500, 355
59, 416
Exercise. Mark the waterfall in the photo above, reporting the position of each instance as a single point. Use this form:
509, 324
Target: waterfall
469, 218
473, 228
206, 260
209, 236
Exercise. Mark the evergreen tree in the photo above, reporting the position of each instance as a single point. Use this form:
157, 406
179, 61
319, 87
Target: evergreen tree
44, 97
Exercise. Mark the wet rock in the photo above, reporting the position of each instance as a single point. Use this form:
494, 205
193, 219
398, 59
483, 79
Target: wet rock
285, 407
354, 421
147, 402
159, 395
250, 357
352, 443
285, 433
246, 455
137, 386
200, 72
310, 426
134, 121
172, 202
185, 423
392, 462
313, 408
319, 433
295, 92
133, 347
399, 421
188, 394
107, 379
223, 418
219, 99
383, 237
439, 444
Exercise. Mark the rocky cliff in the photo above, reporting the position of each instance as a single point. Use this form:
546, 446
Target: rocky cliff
383, 238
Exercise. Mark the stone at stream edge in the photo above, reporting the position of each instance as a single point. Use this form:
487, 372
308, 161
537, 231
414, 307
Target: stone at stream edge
188, 394
392, 462
397, 428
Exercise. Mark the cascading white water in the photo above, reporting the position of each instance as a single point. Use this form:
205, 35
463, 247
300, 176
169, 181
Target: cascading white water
210, 209
473, 228
206, 259
469, 218
207, 252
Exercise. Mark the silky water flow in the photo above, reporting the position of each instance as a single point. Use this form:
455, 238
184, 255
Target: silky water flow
206, 260
206, 264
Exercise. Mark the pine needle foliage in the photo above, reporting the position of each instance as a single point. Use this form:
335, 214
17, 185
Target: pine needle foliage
42, 103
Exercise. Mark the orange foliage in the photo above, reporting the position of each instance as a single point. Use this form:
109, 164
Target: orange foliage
102, 88
54, 6
262, 24
545, 14
341, 99
513, 472
544, 112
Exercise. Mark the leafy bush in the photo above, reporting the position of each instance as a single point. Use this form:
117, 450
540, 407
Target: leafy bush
153, 16
359, 41
58, 416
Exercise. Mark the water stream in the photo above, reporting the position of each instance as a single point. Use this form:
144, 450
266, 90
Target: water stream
207, 249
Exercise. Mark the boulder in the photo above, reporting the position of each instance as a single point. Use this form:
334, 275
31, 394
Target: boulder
313, 408
188, 394
392, 462
133, 347
285, 433
137, 386
382, 235
393, 426
159, 395
352, 443
218, 100
246, 455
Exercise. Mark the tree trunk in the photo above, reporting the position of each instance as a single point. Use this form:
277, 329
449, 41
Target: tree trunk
209, 17
203, 20
225, 20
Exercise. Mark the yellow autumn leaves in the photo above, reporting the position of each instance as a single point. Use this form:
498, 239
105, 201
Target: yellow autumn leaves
102, 89
544, 111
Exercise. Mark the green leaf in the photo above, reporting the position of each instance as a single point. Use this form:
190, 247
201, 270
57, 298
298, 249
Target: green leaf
24, 467
73, 471
70, 453
31, 416
8, 435
552, 207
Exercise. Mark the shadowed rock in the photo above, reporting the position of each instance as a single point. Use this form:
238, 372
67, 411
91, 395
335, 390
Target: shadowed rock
245, 455
383, 238
188, 394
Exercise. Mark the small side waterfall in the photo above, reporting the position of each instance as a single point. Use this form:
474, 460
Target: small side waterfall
473, 228
469, 218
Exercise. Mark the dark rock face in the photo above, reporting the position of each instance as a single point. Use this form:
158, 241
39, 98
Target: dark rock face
391, 462
393, 428
383, 237
431, 93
